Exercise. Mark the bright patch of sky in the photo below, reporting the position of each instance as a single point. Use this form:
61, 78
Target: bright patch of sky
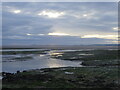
17, 11
51, 14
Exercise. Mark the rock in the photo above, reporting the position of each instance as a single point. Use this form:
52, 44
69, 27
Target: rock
69, 73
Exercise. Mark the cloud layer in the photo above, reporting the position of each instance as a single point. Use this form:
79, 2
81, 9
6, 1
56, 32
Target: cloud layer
65, 23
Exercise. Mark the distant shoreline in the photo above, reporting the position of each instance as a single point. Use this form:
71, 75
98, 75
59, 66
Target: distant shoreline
61, 47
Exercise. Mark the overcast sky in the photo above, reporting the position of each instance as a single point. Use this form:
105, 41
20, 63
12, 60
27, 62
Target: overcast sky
59, 23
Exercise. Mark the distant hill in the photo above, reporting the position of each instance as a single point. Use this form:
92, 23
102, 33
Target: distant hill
94, 46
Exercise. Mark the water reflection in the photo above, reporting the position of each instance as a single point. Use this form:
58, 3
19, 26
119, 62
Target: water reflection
38, 62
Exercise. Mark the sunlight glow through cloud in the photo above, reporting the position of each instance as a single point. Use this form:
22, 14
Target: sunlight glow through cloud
29, 34
85, 15
51, 14
115, 28
17, 11
101, 36
35, 34
58, 34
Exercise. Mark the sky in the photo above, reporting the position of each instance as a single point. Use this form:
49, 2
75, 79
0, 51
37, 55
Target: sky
59, 23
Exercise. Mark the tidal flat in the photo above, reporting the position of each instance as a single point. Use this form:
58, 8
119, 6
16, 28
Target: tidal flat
66, 69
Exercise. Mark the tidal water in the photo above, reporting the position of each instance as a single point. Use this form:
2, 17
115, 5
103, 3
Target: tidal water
38, 61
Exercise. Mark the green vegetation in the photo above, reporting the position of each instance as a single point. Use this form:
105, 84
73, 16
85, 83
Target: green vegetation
91, 58
85, 77
23, 52
101, 63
